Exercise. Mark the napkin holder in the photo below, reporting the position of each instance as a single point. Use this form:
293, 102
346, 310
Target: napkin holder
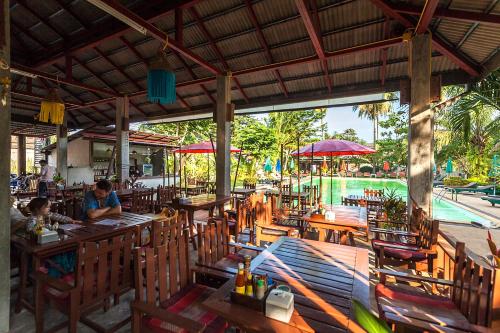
279, 305
47, 236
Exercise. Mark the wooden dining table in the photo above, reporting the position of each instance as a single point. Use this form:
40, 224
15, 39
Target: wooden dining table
348, 219
243, 193
324, 279
200, 202
69, 238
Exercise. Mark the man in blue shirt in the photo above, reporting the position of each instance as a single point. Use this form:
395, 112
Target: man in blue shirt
101, 201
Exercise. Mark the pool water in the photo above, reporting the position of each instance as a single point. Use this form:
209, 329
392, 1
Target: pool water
442, 209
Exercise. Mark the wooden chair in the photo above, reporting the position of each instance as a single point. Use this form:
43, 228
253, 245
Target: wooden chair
270, 227
74, 208
166, 297
472, 303
215, 249
168, 228
313, 196
249, 185
164, 196
419, 246
373, 193
349, 202
238, 220
103, 269
142, 201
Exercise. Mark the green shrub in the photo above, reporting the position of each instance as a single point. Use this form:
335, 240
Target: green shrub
455, 181
366, 168
482, 180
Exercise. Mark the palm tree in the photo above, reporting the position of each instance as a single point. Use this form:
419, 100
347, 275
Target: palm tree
373, 112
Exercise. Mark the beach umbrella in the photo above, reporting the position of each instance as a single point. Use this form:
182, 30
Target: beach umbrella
449, 166
278, 166
333, 147
386, 166
268, 167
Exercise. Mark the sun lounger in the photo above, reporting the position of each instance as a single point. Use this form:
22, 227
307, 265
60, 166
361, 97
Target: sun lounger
493, 199
486, 189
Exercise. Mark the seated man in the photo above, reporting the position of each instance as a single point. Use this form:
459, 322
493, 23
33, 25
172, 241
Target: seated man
101, 201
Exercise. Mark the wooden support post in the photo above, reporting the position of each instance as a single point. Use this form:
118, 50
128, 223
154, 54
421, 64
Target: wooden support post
21, 154
223, 162
5, 168
421, 133
62, 149
122, 140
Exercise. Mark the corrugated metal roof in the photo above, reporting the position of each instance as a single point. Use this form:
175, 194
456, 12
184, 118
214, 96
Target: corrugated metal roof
344, 24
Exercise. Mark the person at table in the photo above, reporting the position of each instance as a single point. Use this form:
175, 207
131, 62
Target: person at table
46, 177
101, 202
17, 218
40, 208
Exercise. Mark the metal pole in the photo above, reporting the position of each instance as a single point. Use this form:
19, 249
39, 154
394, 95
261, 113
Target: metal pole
168, 169
298, 174
281, 176
208, 168
185, 181
175, 177
163, 169
311, 193
180, 169
237, 167
331, 179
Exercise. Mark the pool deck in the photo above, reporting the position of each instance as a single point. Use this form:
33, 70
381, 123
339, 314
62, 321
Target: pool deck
474, 203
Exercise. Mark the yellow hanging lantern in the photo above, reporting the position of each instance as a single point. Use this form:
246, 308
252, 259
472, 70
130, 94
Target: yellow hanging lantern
52, 107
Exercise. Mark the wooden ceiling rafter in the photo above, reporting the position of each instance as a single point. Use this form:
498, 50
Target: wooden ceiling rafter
438, 42
216, 49
263, 43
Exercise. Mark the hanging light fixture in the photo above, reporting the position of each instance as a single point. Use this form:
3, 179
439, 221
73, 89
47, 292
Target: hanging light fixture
161, 80
52, 107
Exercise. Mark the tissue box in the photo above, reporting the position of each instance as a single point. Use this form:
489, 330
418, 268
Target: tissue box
47, 237
279, 305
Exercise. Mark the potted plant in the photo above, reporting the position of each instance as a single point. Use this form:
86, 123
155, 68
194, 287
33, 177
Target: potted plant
394, 207
59, 181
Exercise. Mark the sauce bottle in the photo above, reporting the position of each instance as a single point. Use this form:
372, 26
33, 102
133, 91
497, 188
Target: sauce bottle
249, 285
240, 280
260, 289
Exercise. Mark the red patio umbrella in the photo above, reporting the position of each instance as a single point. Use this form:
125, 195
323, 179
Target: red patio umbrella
333, 147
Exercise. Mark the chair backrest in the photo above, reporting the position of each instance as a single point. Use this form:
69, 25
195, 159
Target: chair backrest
373, 193
349, 201
428, 233
104, 267
142, 201
73, 208
161, 272
249, 185
476, 290
164, 195
313, 194
213, 241
168, 228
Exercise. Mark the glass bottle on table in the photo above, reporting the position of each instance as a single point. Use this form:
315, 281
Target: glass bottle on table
249, 285
240, 280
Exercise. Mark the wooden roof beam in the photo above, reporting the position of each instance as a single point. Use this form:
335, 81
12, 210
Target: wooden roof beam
438, 43
426, 17
67, 8
383, 52
263, 43
216, 49
452, 14
108, 29
98, 77
315, 37
61, 80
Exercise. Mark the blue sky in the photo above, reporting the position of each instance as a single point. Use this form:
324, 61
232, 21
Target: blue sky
342, 118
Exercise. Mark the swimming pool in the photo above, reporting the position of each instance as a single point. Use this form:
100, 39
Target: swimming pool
442, 209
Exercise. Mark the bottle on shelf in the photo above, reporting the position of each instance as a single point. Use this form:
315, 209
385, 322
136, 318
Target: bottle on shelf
240, 280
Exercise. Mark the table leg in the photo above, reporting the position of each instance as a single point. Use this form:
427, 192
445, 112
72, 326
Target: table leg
191, 227
221, 210
322, 235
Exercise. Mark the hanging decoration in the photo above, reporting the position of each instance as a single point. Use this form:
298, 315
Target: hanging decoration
52, 108
161, 80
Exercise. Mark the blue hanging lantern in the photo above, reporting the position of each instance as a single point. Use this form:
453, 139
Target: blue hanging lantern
161, 81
